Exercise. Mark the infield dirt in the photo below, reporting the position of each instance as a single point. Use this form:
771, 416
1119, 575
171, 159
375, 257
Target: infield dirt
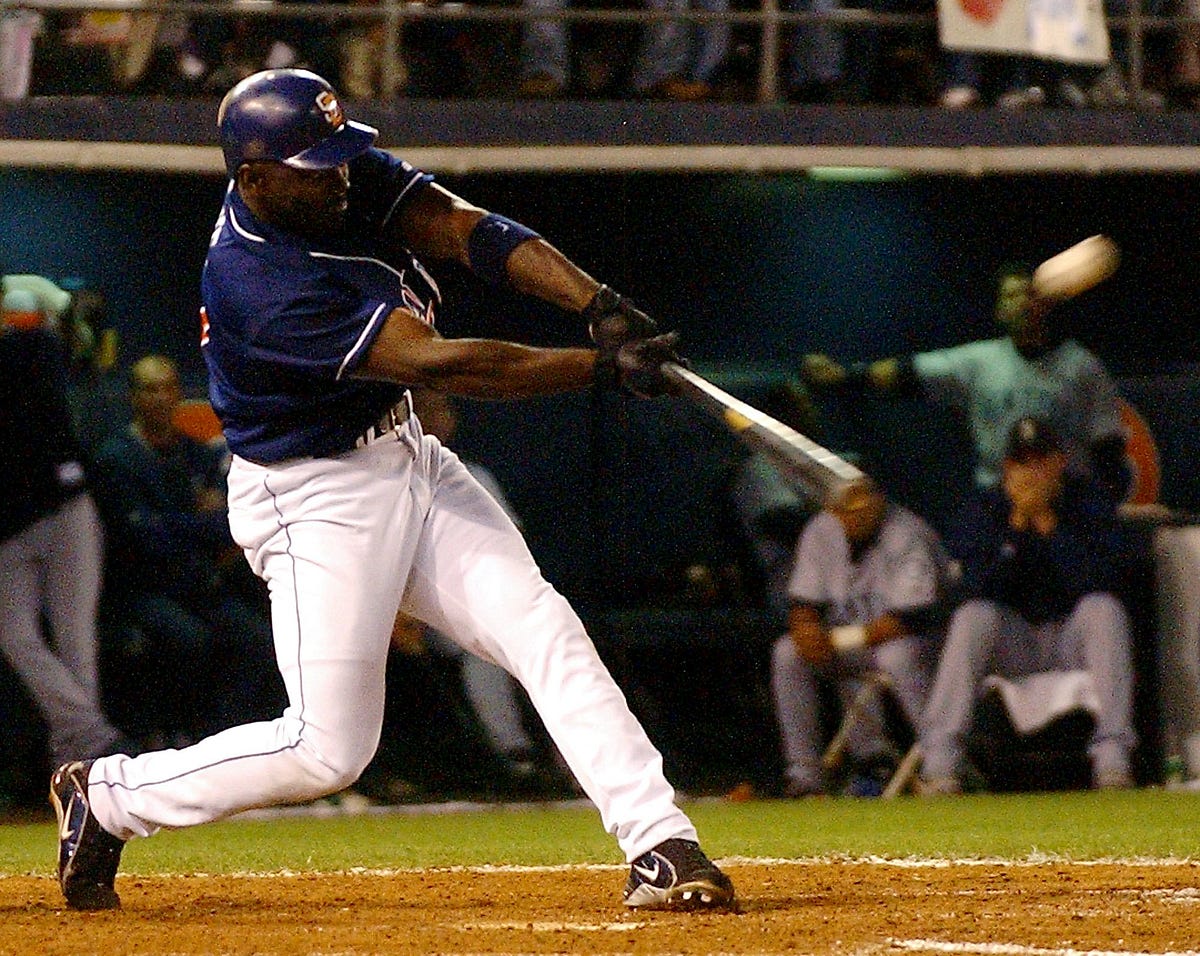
834, 908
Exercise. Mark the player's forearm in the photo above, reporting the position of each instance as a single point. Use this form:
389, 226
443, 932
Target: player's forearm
885, 628
538, 269
483, 368
516, 371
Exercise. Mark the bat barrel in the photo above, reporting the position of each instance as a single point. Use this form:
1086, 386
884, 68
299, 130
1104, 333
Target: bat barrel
824, 473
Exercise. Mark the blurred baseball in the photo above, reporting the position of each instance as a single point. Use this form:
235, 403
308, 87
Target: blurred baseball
1077, 269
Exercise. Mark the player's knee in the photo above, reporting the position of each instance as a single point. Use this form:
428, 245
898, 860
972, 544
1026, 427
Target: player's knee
1102, 604
973, 618
898, 658
333, 772
783, 654
1103, 613
329, 778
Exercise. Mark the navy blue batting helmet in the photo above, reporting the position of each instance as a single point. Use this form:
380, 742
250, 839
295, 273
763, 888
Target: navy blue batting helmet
288, 116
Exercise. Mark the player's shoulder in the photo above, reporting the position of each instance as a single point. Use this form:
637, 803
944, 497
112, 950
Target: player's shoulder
1073, 354
904, 527
820, 530
380, 183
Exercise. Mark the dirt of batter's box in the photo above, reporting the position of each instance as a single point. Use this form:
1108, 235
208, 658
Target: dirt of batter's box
794, 908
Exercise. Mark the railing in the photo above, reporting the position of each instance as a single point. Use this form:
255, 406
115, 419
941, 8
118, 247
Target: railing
772, 23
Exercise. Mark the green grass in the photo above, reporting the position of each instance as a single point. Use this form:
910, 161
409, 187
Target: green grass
1080, 826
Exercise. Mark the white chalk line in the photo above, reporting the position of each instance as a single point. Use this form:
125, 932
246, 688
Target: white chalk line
1016, 949
1033, 860
550, 926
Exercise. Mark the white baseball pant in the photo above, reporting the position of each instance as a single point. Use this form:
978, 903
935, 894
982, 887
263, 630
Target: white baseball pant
343, 543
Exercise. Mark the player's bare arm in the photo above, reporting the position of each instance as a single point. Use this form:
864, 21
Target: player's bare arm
410, 351
809, 634
886, 627
438, 224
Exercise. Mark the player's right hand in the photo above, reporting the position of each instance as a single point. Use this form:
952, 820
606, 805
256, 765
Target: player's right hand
809, 635
614, 320
820, 371
812, 643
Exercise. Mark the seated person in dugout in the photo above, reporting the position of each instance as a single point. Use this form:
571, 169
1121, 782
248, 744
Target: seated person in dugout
173, 571
1041, 559
866, 589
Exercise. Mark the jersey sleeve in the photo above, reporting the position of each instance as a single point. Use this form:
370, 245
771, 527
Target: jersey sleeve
311, 328
380, 185
913, 574
945, 374
808, 583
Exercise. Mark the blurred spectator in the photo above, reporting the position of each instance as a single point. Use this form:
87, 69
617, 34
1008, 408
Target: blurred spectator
175, 591
1033, 370
174, 53
231, 48
361, 52
51, 302
828, 63
1183, 76
50, 537
79, 316
866, 590
1042, 557
676, 60
99, 399
1022, 81
1017, 82
106, 51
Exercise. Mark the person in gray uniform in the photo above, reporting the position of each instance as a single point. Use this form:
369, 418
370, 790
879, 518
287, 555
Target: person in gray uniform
1032, 370
866, 591
51, 541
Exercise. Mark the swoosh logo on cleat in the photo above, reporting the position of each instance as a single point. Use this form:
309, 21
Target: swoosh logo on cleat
646, 873
65, 829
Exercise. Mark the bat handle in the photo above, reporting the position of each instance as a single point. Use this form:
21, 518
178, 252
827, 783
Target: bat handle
673, 372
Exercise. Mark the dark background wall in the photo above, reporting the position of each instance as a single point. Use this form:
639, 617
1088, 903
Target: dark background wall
753, 270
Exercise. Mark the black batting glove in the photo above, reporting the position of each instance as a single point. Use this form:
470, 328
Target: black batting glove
614, 320
636, 366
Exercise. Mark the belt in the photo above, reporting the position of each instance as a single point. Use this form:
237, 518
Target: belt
391, 421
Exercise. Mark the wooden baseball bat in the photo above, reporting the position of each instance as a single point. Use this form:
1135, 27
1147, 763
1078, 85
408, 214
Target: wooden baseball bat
821, 471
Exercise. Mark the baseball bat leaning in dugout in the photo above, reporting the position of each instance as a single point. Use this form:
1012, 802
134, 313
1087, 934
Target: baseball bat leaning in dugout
799, 457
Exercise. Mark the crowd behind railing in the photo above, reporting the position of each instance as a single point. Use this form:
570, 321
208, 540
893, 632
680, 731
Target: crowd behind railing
805, 51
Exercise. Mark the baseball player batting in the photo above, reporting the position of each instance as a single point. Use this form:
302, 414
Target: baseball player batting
317, 313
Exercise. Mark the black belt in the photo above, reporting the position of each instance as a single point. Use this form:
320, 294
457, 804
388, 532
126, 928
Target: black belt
392, 420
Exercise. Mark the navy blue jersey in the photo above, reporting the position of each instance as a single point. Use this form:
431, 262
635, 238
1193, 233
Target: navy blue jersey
287, 320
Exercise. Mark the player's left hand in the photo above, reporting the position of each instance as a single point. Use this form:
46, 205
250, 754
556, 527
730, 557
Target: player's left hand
614, 320
812, 643
639, 365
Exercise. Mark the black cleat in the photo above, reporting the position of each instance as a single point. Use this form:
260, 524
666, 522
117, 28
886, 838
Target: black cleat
677, 875
87, 853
